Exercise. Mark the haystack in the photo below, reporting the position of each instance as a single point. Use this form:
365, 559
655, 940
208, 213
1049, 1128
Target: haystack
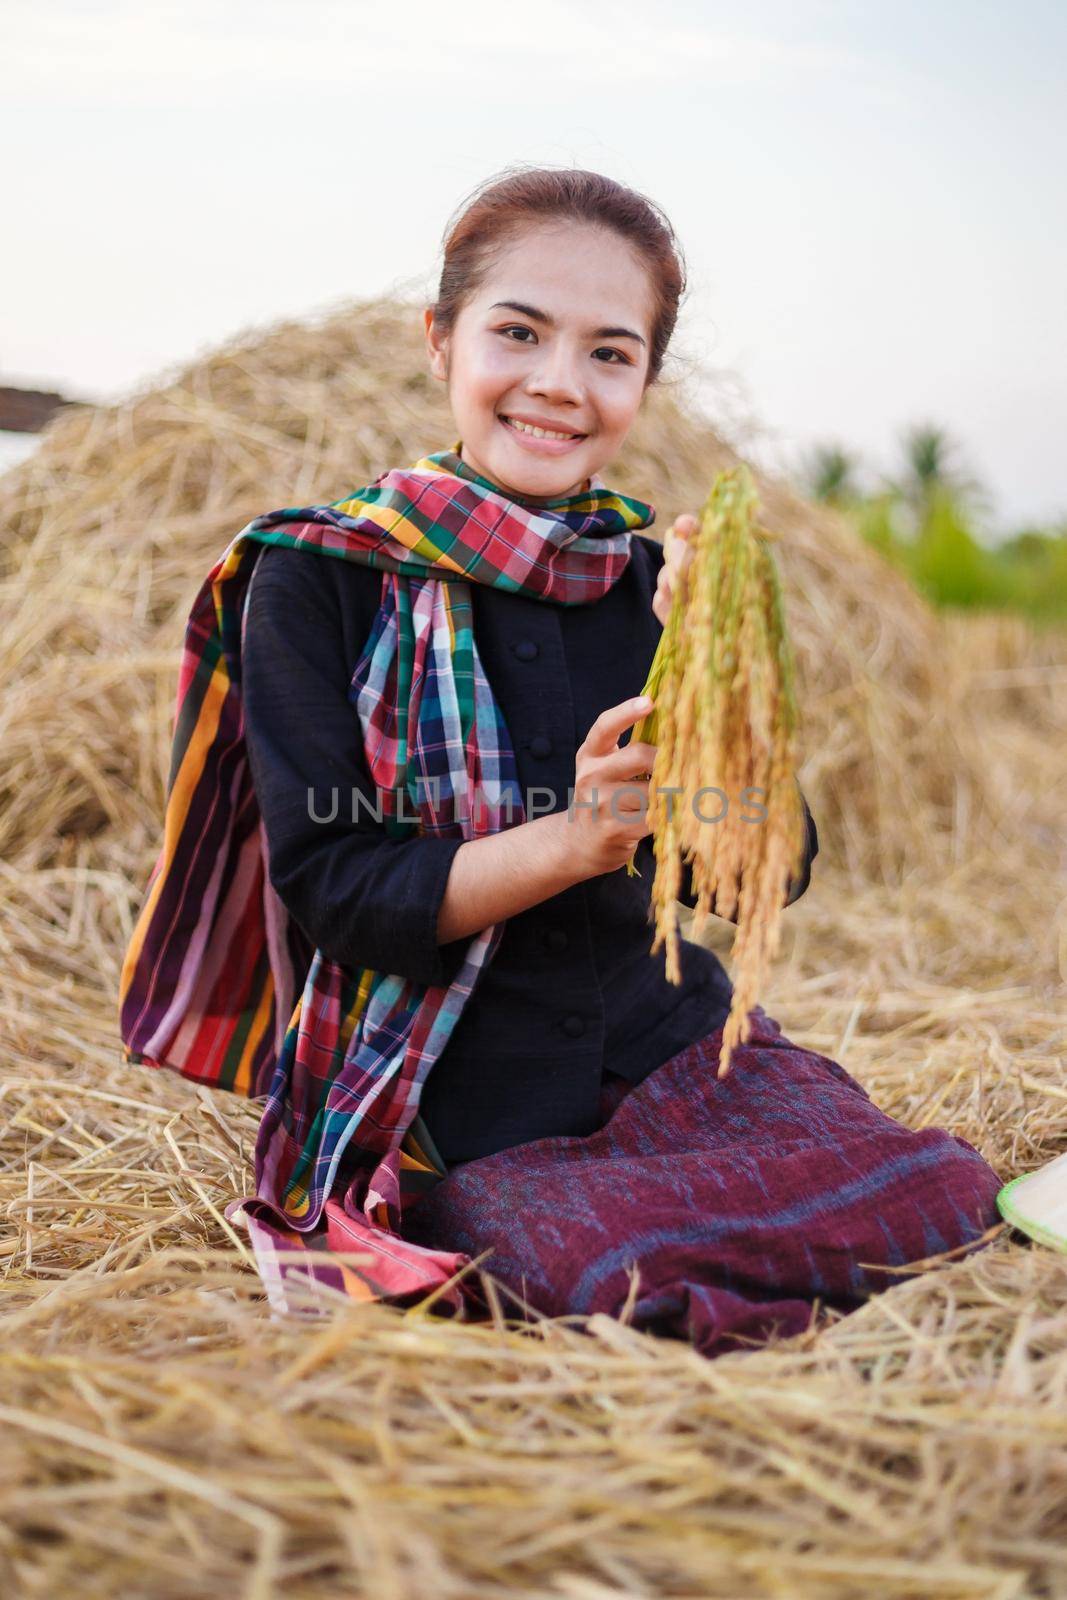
162, 1436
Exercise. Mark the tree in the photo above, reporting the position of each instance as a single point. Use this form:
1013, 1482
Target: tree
931, 471
831, 475
948, 565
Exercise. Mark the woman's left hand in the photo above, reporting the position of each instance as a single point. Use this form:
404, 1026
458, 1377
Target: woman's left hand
678, 553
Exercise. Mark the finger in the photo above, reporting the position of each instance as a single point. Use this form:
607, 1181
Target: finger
603, 736
633, 759
627, 803
683, 537
631, 809
630, 796
676, 545
667, 581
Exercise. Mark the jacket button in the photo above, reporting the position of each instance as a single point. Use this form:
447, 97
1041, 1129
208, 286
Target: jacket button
556, 939
526, 650
541, 746
573, 1027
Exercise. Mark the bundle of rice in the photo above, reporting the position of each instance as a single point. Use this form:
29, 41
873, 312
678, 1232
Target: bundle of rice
724, 723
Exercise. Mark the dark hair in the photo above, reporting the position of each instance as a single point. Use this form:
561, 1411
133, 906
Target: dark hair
499, 210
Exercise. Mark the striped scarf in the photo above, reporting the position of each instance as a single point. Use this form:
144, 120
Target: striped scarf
213, 986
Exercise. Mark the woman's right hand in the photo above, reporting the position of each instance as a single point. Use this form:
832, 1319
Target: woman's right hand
607, 817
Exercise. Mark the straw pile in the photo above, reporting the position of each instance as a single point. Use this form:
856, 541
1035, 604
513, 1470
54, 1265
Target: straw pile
162, 1436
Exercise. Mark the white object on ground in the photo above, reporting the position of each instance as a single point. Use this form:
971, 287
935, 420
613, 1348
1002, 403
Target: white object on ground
1036, 1203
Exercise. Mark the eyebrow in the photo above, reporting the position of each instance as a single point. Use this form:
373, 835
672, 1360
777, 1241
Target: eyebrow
543, 316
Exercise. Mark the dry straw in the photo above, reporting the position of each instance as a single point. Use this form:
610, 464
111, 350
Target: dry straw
161, 1434
725, 724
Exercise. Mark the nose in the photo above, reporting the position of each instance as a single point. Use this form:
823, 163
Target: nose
557, 375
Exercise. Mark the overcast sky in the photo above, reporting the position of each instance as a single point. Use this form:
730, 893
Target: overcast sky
870, 196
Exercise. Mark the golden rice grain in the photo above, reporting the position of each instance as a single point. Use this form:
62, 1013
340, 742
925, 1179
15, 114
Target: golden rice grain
725, 723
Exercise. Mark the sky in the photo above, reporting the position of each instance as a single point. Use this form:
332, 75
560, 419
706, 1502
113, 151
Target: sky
869, 196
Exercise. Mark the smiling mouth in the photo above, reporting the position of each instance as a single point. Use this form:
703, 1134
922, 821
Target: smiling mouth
539, 433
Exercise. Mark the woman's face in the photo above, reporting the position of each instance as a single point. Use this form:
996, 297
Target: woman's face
569, 354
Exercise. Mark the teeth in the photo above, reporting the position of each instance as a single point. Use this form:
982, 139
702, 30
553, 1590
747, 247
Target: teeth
538, 433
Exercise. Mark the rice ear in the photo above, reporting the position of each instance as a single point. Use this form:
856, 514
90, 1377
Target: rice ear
725, 719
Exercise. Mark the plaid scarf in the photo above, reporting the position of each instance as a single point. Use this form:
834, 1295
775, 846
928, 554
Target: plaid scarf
213, 986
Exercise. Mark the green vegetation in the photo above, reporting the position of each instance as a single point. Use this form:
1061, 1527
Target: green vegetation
924, 522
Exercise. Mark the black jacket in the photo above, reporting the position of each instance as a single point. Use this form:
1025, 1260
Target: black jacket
572, 987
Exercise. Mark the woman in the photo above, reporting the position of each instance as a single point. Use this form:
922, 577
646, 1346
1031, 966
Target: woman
485, 1056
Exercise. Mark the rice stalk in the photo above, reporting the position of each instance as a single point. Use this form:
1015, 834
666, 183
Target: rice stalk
725, 724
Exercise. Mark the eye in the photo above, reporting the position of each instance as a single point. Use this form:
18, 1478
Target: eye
519, 327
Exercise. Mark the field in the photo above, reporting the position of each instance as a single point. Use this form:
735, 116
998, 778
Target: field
164, 1436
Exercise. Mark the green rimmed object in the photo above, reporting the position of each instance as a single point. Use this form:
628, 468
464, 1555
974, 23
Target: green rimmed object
1036, 1203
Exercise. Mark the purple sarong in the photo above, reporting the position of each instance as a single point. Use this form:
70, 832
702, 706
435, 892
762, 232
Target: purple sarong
740, 1201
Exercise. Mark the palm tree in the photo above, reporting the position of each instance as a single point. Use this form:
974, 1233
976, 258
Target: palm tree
930, 461
926, 450
831, 475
